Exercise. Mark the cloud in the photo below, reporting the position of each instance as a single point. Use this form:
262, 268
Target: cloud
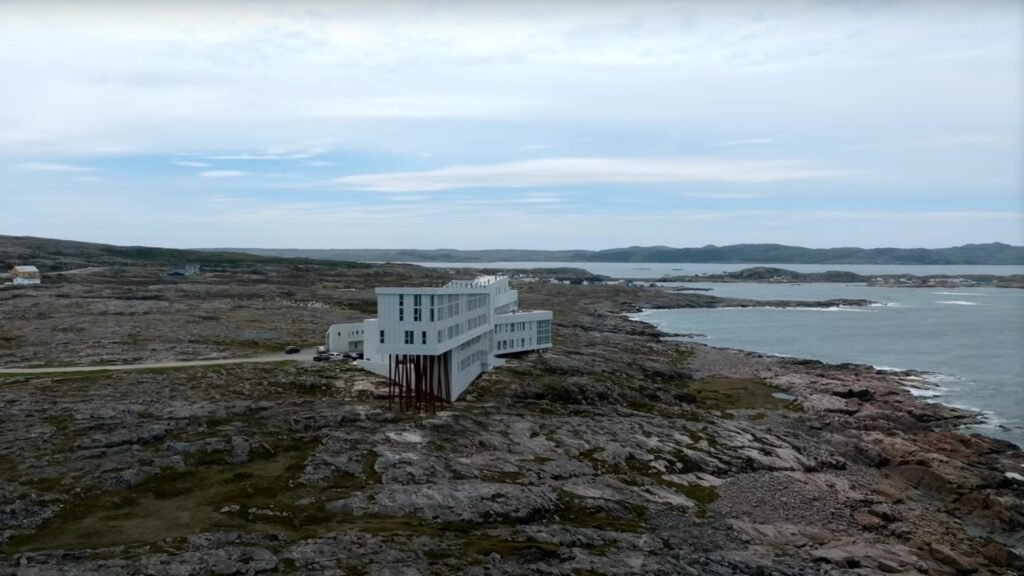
575, 171
722, 195
745, 142
87, 178
531, 147
54, 167
973, 140
117, 78
190, 163
318, 163
223, 174
261, 156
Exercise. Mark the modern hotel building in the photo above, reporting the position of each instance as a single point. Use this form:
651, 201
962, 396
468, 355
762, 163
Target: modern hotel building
433, 342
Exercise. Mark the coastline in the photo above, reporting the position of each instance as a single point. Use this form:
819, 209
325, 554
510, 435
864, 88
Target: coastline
927, 385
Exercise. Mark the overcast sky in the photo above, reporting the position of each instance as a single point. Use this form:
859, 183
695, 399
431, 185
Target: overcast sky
513, 124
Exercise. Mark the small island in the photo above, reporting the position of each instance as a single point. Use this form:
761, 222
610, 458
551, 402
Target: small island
770, 275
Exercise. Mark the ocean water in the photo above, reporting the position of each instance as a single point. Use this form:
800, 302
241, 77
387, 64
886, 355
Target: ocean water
970, 340
657, 270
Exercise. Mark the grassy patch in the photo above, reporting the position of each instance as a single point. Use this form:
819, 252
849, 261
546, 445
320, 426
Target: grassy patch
681, 358
575, 511
702, 495
75, 375
481, 546
259, 495
503, 477
739, 394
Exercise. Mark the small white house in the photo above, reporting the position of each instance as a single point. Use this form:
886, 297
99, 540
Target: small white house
26, 275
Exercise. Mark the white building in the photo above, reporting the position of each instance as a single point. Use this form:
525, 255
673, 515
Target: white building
23, 275
433, 342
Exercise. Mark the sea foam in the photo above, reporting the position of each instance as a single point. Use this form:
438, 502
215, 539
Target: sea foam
957, 302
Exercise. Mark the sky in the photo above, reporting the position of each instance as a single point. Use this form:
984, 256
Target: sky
480, 125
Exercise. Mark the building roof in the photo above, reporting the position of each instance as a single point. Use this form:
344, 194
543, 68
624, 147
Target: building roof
26, 269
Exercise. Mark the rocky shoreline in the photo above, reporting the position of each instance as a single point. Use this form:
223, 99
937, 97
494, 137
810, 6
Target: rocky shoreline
618, 452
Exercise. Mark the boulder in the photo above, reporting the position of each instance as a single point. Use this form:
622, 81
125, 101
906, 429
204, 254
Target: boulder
1000, 555
952, 559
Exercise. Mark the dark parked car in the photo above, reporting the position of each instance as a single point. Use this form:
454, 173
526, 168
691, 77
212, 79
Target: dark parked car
321, 357
292, 350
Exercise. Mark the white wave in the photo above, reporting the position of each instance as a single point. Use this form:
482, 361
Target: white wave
957, 302
886, 305
944, 380
805, 308
887, 368
959, 293
924, 393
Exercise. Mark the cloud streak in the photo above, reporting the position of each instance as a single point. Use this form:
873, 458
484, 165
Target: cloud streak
190, 164
579, 171
223, 174
54, 167
745, 142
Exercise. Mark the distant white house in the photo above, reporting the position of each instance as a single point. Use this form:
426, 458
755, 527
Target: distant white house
188, 270
25, 275
432, 343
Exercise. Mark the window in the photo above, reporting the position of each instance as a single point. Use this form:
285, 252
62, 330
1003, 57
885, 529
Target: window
417, 300
544, 332
424, 337
381, 336
417, 314
440, 336
410, 338
431, 313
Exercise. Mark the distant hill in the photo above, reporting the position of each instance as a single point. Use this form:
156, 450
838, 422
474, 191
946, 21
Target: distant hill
993, 253
51, 255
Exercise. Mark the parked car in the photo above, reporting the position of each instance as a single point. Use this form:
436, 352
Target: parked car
320, 357
334, 356
292, 350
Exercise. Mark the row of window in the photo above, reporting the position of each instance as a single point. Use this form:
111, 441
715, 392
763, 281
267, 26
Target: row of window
514, 327
512, 343
474, 301
441, 307
410, 337
476, 356
476, 321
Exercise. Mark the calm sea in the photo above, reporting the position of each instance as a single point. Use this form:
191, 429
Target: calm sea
970, 339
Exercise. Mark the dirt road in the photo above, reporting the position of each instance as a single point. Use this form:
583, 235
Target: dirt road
305, 355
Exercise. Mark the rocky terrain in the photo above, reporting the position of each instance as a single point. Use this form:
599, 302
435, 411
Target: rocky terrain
617, 452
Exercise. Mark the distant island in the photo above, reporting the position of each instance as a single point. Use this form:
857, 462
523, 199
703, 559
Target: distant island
768, 275
995, 253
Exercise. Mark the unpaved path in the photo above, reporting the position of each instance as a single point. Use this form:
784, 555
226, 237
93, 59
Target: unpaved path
305, 355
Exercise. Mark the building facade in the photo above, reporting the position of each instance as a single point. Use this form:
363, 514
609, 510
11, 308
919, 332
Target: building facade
432, 343
25, 275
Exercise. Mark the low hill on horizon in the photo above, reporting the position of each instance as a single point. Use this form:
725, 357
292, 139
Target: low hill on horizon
51, 255
995, 253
